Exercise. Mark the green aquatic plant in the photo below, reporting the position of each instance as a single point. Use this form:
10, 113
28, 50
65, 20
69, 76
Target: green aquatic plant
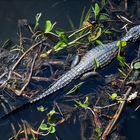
48, 127
83, 104
75, 88
87, 32
137, 66
37, 18
121, 44
41, 108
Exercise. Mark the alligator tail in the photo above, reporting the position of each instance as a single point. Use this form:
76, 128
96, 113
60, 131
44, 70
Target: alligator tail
64, 80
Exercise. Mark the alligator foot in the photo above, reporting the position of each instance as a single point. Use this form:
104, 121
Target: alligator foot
89, 74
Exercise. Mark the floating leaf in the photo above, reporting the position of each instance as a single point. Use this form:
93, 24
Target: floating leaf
41, 108
52, 112
48, 26
137, 65
43, 126
114, 96
52, 128
113, 83
121, 43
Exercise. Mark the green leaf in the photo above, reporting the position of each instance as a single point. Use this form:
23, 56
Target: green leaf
96, 10
98, 130
95, 35
37, 17
121, 60
104, 17
43, 126
59, 31
48, 26
137, 65
41, 108
99, 42
64, 38
107, 32
52, 112
97, 64
121, 44
118, 43
52, 128
114, 96
74, 88
85, 104
59, 46
81, 104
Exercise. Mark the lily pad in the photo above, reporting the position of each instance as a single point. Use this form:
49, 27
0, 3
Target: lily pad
137, 65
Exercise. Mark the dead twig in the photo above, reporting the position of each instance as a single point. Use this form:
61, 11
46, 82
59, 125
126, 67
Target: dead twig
117, 114
18, 61
34, 77
29, 77
121, 106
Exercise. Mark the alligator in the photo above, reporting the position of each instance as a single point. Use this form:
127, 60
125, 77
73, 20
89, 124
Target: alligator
104, 54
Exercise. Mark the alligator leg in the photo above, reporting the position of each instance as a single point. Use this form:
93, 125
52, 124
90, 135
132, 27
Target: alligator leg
75, 61
89, 74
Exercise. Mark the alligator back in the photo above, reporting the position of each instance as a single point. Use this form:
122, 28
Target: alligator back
103, 54
61, 82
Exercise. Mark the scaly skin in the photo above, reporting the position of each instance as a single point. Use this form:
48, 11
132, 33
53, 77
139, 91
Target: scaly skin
103, 54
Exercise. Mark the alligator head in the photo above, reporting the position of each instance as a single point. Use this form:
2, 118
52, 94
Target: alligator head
133, 34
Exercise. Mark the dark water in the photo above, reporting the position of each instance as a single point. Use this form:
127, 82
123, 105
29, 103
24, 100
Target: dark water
57, 11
